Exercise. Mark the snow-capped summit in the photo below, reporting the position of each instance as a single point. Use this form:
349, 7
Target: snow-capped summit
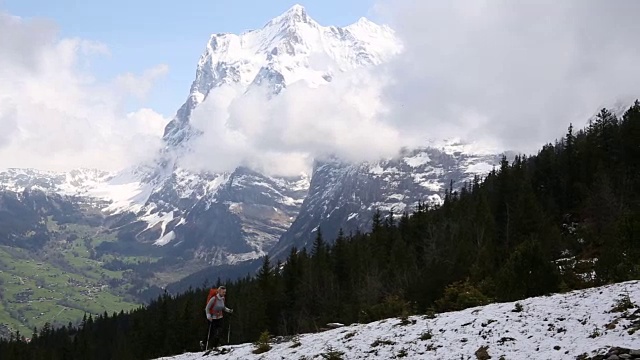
296, 14
289, 48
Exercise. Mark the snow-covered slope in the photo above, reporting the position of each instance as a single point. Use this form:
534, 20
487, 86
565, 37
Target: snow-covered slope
562, 326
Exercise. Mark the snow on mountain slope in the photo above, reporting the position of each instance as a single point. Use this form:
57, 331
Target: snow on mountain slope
244, 218
116, 192
121, 191
561, 326
72, 183
291, 47
345, 195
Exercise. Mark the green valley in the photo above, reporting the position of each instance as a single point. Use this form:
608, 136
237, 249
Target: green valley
65, 279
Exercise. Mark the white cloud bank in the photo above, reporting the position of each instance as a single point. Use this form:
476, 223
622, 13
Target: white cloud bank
514, 73
506, 74
283, 134
56, 116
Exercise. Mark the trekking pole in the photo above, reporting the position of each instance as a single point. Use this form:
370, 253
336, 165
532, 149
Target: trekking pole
208, 333
229, 331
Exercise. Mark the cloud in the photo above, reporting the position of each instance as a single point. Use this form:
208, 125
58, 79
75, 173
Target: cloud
505, 75
512, 73
57, 116
140, 85
283, 134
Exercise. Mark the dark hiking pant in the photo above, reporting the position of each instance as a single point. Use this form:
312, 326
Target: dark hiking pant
214, 331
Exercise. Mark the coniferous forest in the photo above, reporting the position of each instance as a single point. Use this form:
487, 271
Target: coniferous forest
565, 218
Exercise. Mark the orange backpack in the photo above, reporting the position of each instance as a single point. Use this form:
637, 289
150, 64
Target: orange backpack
212, 292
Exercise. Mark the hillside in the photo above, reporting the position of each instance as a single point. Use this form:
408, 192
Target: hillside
564, 219
560, 326
53, 265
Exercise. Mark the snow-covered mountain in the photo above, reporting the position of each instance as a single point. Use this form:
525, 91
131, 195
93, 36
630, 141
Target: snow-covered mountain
245, 214
575, 325
291, 47
222, 218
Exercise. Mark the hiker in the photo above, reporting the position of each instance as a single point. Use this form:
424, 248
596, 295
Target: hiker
214, 311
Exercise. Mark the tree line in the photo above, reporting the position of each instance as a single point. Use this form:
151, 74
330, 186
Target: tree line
566, 218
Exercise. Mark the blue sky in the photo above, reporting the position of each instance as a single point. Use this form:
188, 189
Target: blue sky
141, 34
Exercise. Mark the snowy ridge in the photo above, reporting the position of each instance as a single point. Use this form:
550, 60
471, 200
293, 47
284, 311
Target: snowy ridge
75, 182
561, 326
116, 191
293, 45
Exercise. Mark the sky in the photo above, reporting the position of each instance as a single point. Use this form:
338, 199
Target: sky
142, 34
92, 84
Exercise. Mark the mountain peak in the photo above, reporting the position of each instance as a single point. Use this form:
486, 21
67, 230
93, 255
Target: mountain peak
296, 14
296, 9
289, 48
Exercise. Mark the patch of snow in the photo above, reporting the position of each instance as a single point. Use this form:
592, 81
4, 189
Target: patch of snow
165, 239
234, 207
125, 196
377, 170
398, 197
434, 199
286, 200
454, 146
397, 208
235, 258
214, 184
479, 168
431, 184
417, 160
165, 219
